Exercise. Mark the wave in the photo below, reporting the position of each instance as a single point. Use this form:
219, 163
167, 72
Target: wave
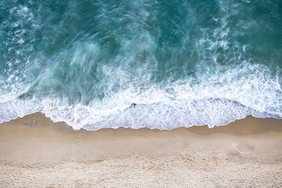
213, 102
163, 116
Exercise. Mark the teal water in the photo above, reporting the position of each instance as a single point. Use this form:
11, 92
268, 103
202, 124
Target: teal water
142, 63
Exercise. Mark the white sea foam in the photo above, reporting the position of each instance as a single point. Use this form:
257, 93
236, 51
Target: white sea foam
161, 115
213, 102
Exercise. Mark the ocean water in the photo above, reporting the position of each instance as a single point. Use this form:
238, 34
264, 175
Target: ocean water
142, 63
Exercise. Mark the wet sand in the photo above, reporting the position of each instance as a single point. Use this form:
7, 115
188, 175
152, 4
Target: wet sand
35, 152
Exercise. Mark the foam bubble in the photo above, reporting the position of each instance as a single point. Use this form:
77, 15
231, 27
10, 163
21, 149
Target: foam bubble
12, 109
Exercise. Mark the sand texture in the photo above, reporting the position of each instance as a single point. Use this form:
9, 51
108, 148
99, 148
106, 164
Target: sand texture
35, 152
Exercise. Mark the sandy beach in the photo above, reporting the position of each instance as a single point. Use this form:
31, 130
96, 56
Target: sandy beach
100, 94
35, 152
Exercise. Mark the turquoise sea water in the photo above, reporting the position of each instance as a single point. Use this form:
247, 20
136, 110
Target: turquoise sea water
144, 63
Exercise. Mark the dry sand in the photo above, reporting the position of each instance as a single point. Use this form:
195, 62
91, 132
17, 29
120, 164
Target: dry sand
35, 152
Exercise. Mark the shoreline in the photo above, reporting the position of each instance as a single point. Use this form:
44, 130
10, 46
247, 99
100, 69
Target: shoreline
37, 152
